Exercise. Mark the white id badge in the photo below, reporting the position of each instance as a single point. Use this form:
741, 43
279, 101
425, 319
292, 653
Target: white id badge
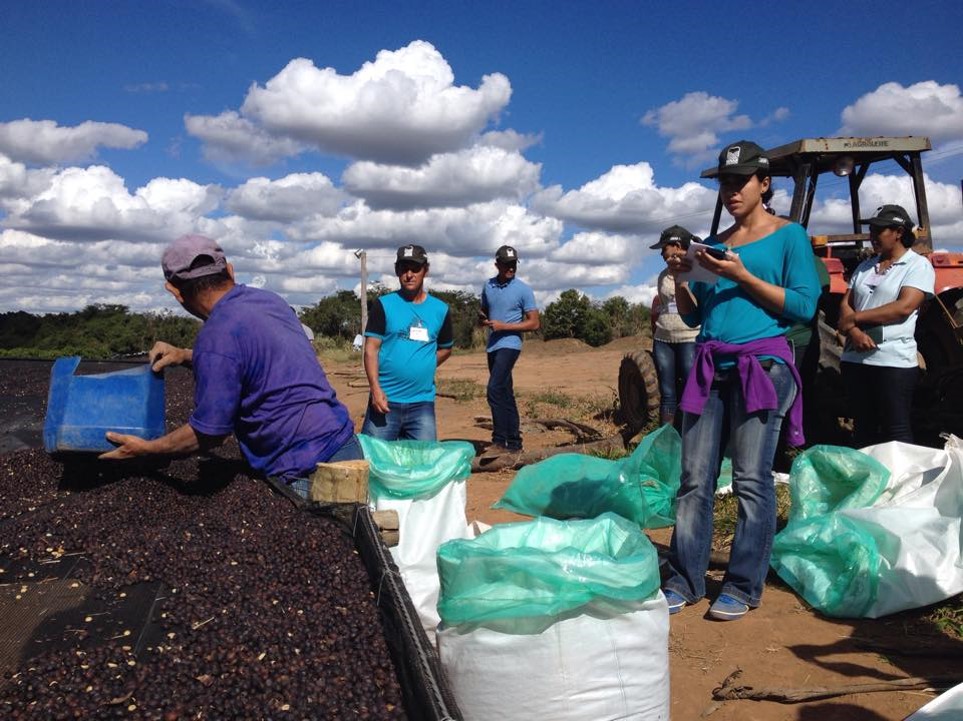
418, 332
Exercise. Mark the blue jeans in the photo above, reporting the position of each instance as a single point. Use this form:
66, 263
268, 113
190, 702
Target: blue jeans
673, 361
501, 398
350, 451
403, 422
752, 440
882, 398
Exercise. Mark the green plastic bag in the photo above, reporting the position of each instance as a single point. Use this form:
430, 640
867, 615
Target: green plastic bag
831, 562
827, 558
641, 488
533, 571
824, 479
407, 470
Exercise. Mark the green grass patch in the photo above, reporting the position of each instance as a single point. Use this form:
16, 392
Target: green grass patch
335, 350
551, 398
461, 389
555, 404
948, 617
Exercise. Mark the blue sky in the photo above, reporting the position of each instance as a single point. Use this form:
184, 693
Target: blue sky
574, 131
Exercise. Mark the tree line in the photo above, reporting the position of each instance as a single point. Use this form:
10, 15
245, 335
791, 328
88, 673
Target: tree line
104, 331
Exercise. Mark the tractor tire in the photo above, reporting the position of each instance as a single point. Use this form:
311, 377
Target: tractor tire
639, 396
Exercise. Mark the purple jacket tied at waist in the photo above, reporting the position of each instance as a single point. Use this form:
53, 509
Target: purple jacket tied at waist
757, 388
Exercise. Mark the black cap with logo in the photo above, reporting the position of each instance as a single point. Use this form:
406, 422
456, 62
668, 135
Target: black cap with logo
506, 254
675, 235
889, 216
743, 157
412, 254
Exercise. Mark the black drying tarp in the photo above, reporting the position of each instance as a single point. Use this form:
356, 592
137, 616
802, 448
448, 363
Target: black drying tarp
54, 606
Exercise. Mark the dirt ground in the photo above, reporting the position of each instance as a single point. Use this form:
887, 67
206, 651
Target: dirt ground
782, 644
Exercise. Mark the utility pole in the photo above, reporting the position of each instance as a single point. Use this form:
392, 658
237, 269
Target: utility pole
363, 257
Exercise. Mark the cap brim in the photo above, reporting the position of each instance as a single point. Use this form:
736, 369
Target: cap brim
738, 170
883, 222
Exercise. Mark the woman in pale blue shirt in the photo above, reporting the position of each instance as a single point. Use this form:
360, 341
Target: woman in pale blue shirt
877, 316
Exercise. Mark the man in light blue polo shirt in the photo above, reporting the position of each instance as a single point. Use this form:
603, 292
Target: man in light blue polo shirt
507, 309
408, 336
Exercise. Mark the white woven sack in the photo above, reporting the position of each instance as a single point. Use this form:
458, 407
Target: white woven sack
423, 525
916, 525
583, 668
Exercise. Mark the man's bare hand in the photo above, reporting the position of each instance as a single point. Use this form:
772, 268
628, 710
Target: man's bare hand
164, 354
127, 447
379, 401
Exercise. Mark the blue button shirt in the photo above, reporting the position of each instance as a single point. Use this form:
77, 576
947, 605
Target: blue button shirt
507, 302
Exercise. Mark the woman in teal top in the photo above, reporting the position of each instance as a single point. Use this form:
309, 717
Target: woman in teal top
742, 385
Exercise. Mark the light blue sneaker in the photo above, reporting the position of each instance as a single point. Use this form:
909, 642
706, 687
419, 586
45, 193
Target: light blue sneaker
726, 608
676, 602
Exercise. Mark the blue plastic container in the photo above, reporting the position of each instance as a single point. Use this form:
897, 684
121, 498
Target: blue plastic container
81, 409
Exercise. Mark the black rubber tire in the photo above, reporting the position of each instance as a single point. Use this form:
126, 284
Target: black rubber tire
639, 396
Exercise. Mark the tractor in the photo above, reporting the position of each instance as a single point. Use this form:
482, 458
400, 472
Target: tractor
938, 403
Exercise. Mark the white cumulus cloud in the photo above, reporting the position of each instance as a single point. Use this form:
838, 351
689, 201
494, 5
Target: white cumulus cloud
595, 248
402, 107
93, 204
474, 230
626, 200
926, 108
44, 142
693, 123
229, 138
469, 176
290, 198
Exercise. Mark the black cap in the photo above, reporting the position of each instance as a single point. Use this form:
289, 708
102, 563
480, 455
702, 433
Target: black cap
675, 235
412, 254
889, 216
742, 157
506, 254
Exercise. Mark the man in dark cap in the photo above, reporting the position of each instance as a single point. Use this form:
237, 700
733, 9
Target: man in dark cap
408, 336
507, 309
255, 375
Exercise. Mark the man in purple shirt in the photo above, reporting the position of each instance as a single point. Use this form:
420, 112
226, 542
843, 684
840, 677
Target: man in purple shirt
255, 375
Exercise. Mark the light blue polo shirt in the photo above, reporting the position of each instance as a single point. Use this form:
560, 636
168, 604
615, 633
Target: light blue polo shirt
507, 302
895, 342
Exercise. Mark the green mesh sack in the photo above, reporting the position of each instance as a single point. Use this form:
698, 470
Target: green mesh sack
536, 570
831, 562
828, 557
641, 488
407, 470
824, 479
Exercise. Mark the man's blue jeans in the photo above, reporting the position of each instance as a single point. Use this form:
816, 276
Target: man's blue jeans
403, 422
752, 443
673, 361
501, 398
